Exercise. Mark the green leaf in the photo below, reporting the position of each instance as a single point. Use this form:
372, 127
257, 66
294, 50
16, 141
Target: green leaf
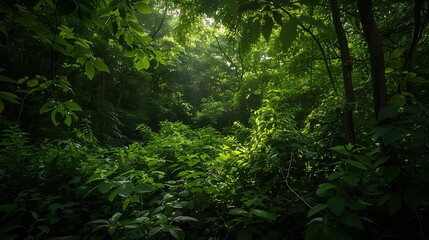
340, 149
387, 112
143, 188
387, 132
334, 175
394, 204
315, 22
278, 18
184, 193
112, 195
391, 173
1, 106
54, 117
267, 28
412, 201
397, 52
388, 70
9, 97
177, 232
104, 187
288, 34
316, 209
383, 199
324, 187
336, 205
131, 53
44, 229
46, 107
68, 120
263, 214
238, 211
72, 106
126, 189
100, 65
313, 231
363, 159
185, 219
351, 220
143, 7
356, 164
35, 215
7, 79
32, 83
352, 179
142, 63
25, 21
125, 204
154, 231
423, 70
115, 217
398, 100
3, 30
89, 70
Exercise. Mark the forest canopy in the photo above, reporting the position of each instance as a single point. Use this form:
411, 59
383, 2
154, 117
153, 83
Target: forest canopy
214, 119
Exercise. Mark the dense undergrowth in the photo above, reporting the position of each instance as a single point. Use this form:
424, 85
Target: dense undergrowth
270, 181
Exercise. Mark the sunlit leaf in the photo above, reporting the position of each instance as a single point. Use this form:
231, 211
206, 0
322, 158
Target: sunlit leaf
143, 7
100, 65
142, 63
72, 106
89, 70
68, 120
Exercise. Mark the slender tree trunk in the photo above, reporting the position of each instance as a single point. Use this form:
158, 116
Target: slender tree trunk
121, 93
103, 86
410, 60
347, 68
376, 54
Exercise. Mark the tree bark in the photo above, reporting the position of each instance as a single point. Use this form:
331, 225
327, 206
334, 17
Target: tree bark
410, 60
376, 54
347, 68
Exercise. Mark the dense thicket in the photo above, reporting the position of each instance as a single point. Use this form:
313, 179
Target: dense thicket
214, 119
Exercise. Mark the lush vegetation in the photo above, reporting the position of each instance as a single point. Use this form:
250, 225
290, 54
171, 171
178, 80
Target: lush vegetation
214, 119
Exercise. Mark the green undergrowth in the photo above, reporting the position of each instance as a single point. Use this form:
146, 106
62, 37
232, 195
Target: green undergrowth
183, 183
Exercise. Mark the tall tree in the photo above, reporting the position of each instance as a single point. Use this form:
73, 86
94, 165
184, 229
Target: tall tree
347, 67
376, 54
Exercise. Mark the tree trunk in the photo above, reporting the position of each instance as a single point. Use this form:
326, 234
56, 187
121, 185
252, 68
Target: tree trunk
121, 93
103, 86
376, 54
347, 68
410, 60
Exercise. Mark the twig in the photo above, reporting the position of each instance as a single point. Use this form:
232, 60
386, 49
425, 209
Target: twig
290, 188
